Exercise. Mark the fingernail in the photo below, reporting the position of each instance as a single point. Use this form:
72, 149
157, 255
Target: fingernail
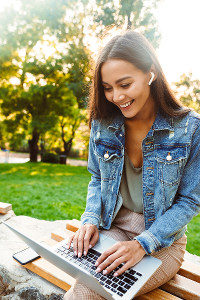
115, 274
67, 246
75, 253
79, 254
85, 253
98, 270
105, 272
96, 264
90, 246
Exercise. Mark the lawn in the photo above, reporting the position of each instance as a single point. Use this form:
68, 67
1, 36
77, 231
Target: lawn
55, 192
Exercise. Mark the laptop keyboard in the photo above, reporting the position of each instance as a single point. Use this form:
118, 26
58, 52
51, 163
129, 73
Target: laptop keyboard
119, 285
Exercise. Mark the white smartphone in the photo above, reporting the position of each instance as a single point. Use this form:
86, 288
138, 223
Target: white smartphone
25, 256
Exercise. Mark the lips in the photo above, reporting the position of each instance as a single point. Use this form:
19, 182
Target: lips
126, 104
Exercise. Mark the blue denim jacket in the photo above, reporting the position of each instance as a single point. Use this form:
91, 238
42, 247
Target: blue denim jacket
171, 177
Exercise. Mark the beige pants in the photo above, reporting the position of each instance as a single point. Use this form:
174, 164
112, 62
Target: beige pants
125, 227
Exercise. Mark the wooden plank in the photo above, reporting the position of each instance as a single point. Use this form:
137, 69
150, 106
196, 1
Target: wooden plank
190, 270
73, 225
183, 287
157, 294
48, 271
60, 235
5, 207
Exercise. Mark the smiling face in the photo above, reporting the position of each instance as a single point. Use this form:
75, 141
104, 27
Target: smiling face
127, 87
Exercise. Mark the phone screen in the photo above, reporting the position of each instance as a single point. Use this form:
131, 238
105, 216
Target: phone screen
25, 256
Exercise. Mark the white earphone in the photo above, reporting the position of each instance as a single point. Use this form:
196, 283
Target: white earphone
152, 77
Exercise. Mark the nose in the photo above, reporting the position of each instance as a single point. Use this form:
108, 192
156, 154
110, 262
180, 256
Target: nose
117, 96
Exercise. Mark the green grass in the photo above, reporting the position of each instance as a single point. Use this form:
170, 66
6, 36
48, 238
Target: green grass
55, 192
44, 191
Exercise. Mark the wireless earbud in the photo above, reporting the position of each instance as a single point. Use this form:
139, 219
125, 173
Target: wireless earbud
152, 77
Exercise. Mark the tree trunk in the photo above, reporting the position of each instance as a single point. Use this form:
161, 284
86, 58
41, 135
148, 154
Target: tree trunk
67, 144
33, 145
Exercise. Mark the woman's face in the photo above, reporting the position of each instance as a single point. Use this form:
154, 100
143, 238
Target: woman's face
127, 87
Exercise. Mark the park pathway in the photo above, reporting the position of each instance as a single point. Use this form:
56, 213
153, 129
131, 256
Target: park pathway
12, 157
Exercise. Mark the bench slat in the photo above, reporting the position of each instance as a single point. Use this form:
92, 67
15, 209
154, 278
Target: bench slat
183, 287
5, 207
73, 225
60, 235
190, 270
157, 294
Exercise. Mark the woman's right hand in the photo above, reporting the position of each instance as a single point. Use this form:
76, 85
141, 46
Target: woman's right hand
84, 239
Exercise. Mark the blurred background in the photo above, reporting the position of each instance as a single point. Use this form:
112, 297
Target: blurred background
47, 54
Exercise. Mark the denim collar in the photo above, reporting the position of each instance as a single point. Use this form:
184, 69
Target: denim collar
161, 122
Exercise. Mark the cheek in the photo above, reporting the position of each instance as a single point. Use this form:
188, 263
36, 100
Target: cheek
108, 96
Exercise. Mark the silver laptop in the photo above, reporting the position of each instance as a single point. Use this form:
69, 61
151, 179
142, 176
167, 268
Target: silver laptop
123, 287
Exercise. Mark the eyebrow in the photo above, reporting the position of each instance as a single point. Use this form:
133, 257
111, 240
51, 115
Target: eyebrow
118, 80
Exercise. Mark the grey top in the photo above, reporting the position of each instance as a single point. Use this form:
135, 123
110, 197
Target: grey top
131, 186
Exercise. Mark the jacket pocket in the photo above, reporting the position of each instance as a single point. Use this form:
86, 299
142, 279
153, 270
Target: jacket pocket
107, 151
171, 161
109, 159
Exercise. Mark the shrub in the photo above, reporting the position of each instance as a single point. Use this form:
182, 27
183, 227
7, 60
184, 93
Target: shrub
50, 157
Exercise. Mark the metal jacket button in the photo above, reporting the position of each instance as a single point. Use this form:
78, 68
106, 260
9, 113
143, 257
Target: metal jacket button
106, 155
169, 157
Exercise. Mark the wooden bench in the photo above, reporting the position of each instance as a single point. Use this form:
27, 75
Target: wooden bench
5, 207
184, 285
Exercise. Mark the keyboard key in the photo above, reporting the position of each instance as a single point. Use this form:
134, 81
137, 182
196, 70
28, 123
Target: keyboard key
139, 274
108, 281
107, 286
120, 294
114, 285
121, 289
127, 286
121, 282
115, 279
130, 277
132, 272
103, 278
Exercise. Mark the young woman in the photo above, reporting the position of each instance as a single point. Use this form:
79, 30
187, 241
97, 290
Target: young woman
143, 156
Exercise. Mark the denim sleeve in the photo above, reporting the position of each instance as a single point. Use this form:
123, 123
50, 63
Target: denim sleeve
167, 228
93, 207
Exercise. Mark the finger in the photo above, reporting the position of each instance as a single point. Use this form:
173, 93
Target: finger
87, 239
93, 239
69, 241
105, 254
125, 267
109, 265
75, 242
80, 242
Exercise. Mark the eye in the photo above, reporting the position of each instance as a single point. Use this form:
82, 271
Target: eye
125, 85
107, 89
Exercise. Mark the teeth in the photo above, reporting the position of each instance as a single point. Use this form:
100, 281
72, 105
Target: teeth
126, 104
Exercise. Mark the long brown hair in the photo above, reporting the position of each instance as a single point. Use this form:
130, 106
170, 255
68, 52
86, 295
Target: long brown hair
134, 48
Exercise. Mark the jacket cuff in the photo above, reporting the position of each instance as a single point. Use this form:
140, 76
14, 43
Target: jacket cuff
149, 242
90, 218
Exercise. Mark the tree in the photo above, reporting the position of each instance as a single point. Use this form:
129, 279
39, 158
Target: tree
129, 14
188, 91
44, 81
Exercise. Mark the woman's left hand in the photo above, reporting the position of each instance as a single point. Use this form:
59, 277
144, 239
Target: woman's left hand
128, 252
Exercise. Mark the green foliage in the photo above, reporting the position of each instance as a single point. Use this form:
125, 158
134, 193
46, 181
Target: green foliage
50, 157
129, 14
49, 89
45, 64
188, 91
